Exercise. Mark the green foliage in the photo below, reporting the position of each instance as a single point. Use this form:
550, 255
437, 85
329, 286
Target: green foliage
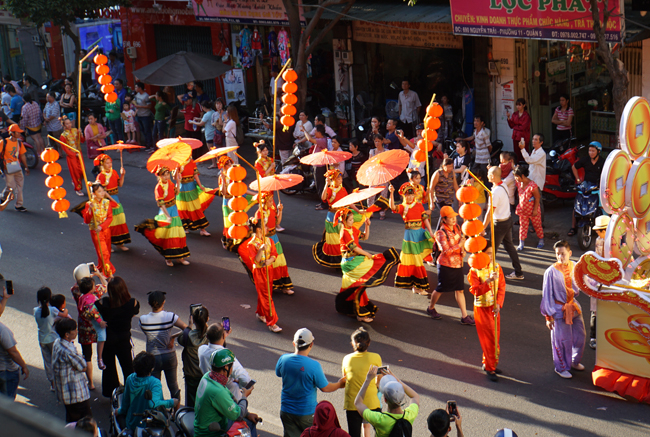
59, 12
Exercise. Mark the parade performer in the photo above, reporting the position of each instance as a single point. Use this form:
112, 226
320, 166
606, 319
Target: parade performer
415, 179
563, 313
264, 164
98, 214
112, 182
272, 219
166, 235
70, 136
261, 251
193, 199
417, 244
327, 252
360, 269
481, 285
223, 164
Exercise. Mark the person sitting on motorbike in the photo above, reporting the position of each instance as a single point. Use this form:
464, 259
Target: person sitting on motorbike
134, 402
593, 165
215, 403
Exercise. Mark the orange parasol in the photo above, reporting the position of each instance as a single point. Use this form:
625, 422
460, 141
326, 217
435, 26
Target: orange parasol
193, 142
120, 146
383, 168
325, 157
171, 156
358, 196
277, 182
215, 153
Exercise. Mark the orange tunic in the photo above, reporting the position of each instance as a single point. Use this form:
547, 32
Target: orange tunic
70, 137
99, 216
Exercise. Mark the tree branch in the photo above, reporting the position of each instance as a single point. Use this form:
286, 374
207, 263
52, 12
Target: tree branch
312, 46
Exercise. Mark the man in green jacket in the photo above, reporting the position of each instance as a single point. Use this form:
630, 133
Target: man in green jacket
215, 403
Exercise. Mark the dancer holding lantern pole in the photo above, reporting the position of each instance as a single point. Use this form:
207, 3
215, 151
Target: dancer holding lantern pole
243, 203
71, 136
417, 244
112, 182
98, 214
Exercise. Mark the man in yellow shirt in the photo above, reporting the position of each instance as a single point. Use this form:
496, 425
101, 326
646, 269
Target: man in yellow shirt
14, 150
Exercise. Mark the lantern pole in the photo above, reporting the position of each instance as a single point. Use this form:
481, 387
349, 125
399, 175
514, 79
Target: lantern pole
79, 88
83, 170
275, 102
495, 286
433, 97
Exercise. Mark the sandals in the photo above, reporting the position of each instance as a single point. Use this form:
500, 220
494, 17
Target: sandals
100, 364
212, 166
169, 263
364, 319
289, 292
572, 232
185, 262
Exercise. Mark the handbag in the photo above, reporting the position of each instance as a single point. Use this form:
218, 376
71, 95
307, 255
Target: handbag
11, 167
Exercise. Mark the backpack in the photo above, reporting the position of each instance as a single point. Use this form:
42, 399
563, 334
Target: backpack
240, 134
402, 427
435, 253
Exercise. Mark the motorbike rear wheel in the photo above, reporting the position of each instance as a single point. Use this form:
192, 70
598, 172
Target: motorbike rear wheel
585, 236
32, 159
289, 191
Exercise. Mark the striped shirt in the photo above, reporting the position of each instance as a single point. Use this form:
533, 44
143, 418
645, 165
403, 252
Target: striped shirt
563, 116
482, 142
158, 329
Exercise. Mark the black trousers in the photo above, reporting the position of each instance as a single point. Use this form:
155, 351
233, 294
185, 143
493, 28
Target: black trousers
503, 234
319, 177
355, 422
123, 352
592, 320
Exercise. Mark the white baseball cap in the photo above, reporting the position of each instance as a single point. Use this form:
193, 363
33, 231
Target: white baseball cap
303, 337
394, 392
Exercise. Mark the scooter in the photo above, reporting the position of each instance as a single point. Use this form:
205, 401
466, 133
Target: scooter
158, 422
184, 420
560, 182
586, 210
294, 166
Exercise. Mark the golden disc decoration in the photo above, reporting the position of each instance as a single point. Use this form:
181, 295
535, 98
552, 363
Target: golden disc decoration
613, 181
642, 227
635, 127
637, 196
639, 272
619, 238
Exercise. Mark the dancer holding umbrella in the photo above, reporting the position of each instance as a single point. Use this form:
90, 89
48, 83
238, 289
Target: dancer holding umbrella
98, 214
112, 182
166, 231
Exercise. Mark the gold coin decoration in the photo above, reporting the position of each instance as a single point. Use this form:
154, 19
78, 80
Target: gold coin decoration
635, 127
613, 181
619, 239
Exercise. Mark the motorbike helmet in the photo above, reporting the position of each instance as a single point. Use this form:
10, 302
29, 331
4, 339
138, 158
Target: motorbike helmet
222, 358
597, 145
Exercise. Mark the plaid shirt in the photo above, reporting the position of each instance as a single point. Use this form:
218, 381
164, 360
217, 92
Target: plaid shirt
69, 377
30, 115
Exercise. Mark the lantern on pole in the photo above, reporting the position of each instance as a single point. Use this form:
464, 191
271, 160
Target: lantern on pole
104, 79
289, 98
54, 182
238, 203
472, 227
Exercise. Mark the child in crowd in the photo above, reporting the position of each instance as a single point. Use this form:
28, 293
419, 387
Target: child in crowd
45, 316
601, 229
128, 115
58, 302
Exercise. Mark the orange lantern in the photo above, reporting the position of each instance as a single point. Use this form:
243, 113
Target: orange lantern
236, 173
432, 123
56, 193
467, 194
238, 232
470, 211
238, 218
421, 144
111, 97
51, 168
430, 135
49, 155
290, 99
107, 89
434, 110
102, 69
479, 260
289, 88
237, 188
420, 155
287, 120
100, 59
60, 206
472, 227
290, 75
238, 203
53, 181
104, 79
288, 109
475, 244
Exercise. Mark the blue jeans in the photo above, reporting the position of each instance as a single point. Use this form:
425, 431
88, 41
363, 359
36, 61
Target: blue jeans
159, 129
167, 363
116, 127
145, 127
9, 383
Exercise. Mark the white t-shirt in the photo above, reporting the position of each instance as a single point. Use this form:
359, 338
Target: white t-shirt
230, 130
536, 165
501, 202
158, 329
298, 133
410, 103
510, 182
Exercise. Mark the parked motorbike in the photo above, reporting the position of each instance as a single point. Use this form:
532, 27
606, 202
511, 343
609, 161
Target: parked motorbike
54, 86
184, 420
560, 182
30, 155
586, 210
159, 422
294, 166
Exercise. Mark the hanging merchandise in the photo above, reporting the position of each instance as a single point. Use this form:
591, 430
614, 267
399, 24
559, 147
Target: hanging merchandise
245, 49
54, 182
256, 45
284, 46
272, 39
289, 98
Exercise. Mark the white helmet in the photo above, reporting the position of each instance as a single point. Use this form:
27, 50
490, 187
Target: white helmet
81, 271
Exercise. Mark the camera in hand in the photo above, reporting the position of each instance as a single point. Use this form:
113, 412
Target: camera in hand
452, 409
194, 307
92, 268
383, 370
250, 384
225, 321
8, 285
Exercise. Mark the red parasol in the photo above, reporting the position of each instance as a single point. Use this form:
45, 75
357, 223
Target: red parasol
277, 182
325, 157
358, 196
171, 156
215, 153
120, 146
193, 142
383, 168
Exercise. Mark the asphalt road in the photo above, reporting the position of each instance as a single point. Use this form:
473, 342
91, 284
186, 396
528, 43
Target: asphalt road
439, 359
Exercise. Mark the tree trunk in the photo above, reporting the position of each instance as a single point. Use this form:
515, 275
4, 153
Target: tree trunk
77, 51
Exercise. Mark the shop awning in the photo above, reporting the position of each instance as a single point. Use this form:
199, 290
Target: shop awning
393, 11
637, 27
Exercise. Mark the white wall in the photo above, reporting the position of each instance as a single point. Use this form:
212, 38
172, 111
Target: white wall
503, 89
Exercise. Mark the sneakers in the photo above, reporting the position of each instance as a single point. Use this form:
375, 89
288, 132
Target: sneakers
497, 370
592, 343
578, 366
20, 208
514, 275
564, 374
540, 245
469, 320
492, 376
434, 314
275, 328
520, 248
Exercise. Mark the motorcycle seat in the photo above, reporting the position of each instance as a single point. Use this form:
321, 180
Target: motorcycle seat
185, 419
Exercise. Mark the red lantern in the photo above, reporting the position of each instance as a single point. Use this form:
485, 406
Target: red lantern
237, 188
470, 211
475, 244
467, 194
238, 232
287, 120
60, 205
434, 110
49, 155
479, 260
104, 79
52, 168
432, 123
56, 193
102, 69
100, 59
237, 173
290, 99
288, 110
430, 135
53, 181
472, 227
238, 217
110, 98
238, 203
290, 88
107, 89
290, 75
420, 155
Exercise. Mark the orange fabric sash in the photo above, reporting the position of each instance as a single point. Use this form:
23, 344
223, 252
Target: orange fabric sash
570, 308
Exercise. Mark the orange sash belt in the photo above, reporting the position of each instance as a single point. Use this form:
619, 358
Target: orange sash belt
569, 310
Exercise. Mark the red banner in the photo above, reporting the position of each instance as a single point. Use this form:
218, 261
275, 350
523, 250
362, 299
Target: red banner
569, 20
